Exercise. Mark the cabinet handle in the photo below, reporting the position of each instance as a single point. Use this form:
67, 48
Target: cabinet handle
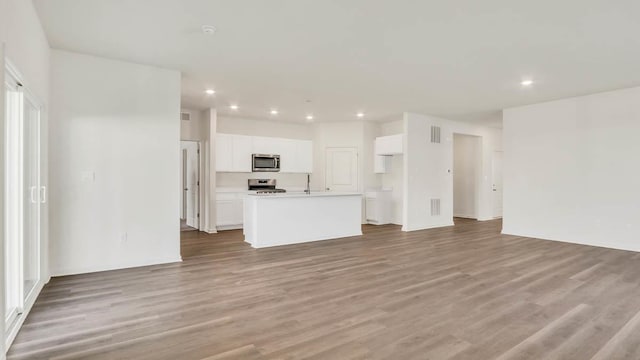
43, 190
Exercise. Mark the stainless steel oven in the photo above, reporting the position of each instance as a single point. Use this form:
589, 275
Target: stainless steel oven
265, 162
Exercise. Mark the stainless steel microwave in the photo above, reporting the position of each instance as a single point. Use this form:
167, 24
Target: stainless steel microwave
265, 162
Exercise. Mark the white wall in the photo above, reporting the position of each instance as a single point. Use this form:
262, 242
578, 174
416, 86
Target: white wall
115, 164
208, 196
571, 170
2, 204
196, 128
371, 180
263, 127
24, 43
466, 163
428, 170
336, 134
394, 178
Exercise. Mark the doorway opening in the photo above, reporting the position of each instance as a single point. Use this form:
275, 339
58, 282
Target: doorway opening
190, 186
467, 172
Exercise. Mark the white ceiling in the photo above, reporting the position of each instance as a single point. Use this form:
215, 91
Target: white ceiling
457, 59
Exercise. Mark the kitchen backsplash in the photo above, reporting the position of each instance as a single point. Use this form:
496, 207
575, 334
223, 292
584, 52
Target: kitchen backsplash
239, 180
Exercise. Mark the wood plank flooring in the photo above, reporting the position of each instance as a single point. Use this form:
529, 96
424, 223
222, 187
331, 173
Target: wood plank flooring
463, 292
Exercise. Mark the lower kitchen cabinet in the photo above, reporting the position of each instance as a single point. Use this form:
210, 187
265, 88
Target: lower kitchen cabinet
229, 210
378, 207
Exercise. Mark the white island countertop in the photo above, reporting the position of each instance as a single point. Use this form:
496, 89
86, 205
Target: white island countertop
292, 218
302, 194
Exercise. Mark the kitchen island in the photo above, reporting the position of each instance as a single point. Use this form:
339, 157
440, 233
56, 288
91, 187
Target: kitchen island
283, 219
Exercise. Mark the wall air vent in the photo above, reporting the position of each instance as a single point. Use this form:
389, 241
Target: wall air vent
435, 207
435, 134
185, 116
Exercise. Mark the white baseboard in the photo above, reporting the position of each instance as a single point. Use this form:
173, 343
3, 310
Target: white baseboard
546, 237
427, 227
466, 216
229, 227
126, 265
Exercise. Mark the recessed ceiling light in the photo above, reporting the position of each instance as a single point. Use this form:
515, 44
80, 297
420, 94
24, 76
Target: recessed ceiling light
360, 114
210, 91
309, 117
274, 112
208, 29
233, 107
527, 82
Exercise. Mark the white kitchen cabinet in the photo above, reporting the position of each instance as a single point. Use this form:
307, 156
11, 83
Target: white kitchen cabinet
378, 207
389, 145
266, 145
381, 164
229, 210
225, 212
304, 152
296, 156
233, 153
288, 156
242, 151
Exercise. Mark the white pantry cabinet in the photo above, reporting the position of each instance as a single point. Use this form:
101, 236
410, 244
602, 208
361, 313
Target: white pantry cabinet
389, 145
233, 153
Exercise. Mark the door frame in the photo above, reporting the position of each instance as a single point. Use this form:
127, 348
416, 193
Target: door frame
477, 176
26, 302
493, 184
199, 193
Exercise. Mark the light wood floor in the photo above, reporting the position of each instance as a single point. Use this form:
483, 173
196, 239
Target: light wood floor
463, 292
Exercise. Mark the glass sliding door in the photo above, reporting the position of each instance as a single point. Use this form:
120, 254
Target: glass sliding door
31, 197
23, 196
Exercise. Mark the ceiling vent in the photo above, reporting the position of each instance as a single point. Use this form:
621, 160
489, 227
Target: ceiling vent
435, 134
185, 116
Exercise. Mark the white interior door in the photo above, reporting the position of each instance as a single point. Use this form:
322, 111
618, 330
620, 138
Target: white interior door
190, 176
341, 169
497, 183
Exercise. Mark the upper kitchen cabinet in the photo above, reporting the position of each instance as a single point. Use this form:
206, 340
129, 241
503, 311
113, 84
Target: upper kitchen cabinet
267, 145
296, 156
233, 153
288, 157
389, 145
304, 152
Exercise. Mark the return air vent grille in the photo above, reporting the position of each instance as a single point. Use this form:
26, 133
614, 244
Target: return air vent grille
185, 116
435, 134
435, 207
